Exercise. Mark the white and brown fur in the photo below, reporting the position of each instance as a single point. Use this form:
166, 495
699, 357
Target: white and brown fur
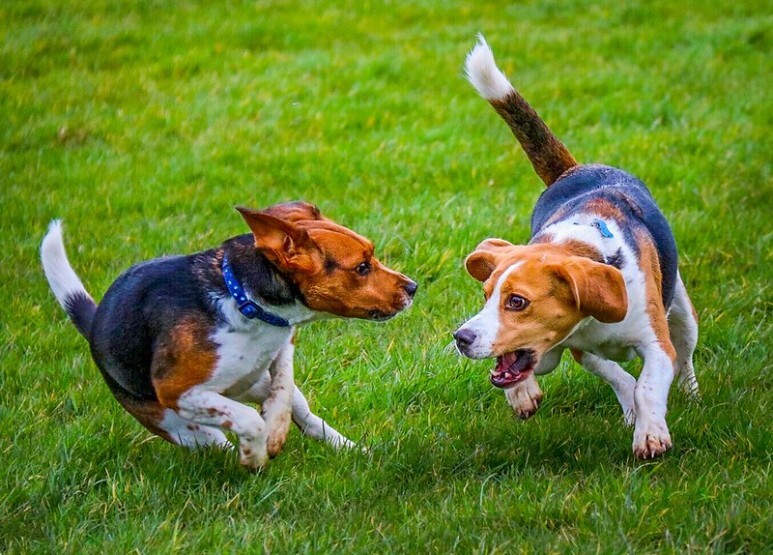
180, 357
605, 296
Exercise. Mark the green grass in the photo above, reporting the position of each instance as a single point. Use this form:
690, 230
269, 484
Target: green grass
143, 123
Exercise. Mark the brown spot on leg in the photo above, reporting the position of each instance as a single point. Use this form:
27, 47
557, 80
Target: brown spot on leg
577, 354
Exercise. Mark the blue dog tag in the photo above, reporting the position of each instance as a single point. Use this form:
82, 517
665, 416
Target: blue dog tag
601, 225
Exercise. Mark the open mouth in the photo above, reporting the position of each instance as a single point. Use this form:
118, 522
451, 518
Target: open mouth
512, 368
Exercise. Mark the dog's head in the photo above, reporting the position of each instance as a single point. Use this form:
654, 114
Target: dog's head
535, 296
334, 268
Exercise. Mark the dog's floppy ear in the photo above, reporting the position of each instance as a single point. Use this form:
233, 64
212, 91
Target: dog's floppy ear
598, 289
485, 258
294, 211
283, 243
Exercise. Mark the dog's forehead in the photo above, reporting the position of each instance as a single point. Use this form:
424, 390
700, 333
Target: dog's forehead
523, 269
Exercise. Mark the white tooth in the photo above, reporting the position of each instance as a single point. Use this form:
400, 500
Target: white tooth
508, 375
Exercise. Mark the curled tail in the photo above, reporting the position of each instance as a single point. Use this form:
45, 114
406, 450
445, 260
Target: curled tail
547, 154
65, 284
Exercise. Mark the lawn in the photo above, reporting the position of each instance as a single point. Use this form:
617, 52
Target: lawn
142, 124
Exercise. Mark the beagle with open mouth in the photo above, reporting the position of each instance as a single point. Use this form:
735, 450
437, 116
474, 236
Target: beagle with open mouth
184, 341
598, 277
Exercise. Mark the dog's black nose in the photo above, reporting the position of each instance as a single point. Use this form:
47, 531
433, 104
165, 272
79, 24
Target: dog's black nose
411, 288
464, 337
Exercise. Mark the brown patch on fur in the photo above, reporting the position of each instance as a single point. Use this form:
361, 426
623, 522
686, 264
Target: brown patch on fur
650, 265
577, 354
186, 357
604, 209
540, 239
581, 248
547, 154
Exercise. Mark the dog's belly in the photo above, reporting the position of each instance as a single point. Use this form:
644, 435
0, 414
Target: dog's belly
243, 356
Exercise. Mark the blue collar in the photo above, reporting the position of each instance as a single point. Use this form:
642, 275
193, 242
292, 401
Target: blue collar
250, 309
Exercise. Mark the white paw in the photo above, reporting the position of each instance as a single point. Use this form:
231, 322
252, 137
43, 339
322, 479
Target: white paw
525, 397
253, 458
278, 434
651, 441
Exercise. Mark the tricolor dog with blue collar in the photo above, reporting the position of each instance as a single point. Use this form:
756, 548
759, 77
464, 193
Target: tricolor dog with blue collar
184, 363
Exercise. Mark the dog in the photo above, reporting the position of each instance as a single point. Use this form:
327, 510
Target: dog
184, 341
599, 277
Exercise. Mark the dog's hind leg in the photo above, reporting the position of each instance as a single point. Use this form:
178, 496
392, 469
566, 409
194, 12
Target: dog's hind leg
167, 423
191, 435
683, 328
313, 426
623, 384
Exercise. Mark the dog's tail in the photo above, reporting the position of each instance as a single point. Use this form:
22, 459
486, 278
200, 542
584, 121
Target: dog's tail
65, 284
547, 154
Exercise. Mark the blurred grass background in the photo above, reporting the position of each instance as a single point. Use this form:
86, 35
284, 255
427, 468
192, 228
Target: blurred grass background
142, 124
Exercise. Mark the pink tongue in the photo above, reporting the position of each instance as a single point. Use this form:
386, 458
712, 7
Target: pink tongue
505, 361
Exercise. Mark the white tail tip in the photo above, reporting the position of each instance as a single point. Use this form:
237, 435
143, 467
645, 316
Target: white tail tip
483, 73
61, 277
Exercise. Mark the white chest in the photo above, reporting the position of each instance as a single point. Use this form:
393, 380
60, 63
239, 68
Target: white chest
244, 355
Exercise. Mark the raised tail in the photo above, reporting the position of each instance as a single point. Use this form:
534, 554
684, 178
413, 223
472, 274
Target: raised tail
547, 154
65, 284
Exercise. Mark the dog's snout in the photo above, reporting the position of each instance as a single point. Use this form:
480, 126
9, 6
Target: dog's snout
464, 338
411, 288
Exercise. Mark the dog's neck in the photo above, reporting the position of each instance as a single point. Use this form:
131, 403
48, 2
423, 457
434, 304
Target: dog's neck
261, 280
582, 238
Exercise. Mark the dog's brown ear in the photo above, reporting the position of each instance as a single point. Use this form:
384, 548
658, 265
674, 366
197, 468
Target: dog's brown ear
598, 289
294, 211
484, 259
283, 243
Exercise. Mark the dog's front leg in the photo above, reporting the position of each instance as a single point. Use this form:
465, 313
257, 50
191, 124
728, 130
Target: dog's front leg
313, 426
277, 407
651, 437
526, 396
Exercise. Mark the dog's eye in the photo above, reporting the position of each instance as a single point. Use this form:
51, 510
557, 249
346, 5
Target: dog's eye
516, 302
363, 269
